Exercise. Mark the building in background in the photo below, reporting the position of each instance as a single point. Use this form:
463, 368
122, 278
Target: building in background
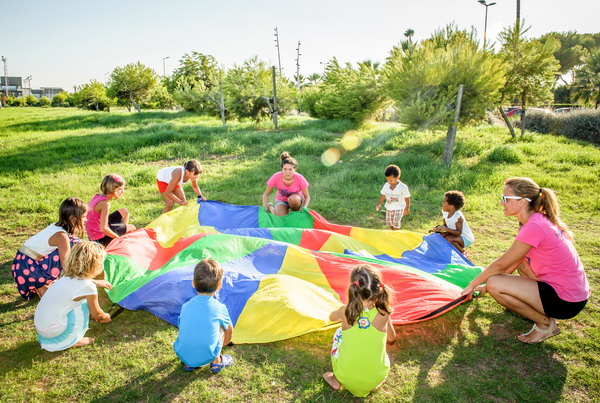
15, 87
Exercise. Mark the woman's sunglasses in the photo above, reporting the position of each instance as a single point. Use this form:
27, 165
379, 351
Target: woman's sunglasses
506, 198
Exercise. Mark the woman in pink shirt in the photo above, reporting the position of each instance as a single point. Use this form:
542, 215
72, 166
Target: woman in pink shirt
552, 283
292, 188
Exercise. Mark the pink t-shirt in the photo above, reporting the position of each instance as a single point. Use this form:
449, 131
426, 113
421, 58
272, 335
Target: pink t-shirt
92, 225
284, 191
553, 258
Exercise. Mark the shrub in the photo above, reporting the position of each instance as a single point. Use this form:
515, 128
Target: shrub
60, 98
349, 93
541, 122
21, 101
582, 124
423, 79
11, 100
45, 102
31, 100
308, 99
505, 154
65, 104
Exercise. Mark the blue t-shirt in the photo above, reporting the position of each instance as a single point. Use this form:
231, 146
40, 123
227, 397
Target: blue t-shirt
199, 341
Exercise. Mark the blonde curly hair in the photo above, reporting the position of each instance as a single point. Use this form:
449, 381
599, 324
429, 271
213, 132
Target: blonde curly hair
86, 260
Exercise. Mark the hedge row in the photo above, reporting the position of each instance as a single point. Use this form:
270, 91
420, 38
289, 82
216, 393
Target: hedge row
580, 124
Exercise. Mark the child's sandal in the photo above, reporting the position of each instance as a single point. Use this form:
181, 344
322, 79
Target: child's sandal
226, 361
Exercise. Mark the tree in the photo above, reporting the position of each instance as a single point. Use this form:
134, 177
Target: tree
248, 91
31, 100
573, 49
92, 96
195, 69
132, 84
195, 84
59, 98
45, 102
586, 85
347, 92
315, 79
531, 68
423, 80
159, 98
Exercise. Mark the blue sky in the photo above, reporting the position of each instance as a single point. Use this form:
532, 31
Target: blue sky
63, 43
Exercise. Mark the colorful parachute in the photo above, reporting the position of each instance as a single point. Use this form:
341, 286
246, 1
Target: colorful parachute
283, 275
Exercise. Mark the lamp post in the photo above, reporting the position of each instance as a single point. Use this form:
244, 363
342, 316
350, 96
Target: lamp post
164, 69
484, 3
5, 77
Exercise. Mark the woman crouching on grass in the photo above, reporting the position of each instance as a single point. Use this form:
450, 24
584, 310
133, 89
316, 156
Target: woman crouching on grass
552, 283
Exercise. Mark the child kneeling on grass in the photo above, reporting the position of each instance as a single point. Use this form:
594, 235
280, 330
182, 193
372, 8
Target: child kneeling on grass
204, 323
62, 315
454, 227
358, 354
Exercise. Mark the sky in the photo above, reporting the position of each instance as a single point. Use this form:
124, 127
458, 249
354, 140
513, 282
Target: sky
64, 43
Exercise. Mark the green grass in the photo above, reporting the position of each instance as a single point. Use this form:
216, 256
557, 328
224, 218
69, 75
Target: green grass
469, 354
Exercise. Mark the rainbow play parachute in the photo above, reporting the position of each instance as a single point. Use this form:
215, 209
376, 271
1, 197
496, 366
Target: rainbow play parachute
283, 275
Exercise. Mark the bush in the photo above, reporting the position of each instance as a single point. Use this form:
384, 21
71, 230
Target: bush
308, 99
11, 100
65, 104
582, 124
505, 154
541, 122
21, 101
31, 100
45, 102
59, 98
423, 80
348, 93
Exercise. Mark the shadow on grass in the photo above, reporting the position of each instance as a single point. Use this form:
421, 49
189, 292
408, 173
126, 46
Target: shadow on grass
24, 355
93, 120
147, 387
458, 365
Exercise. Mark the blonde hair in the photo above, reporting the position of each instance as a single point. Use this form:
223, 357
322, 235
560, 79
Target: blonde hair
543, 200
366, 284
110, 183
86, 260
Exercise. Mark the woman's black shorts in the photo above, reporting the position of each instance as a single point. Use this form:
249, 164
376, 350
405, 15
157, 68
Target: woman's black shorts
554, 306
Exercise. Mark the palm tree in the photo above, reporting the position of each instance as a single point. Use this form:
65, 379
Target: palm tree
586, 86
315, 78
409, 33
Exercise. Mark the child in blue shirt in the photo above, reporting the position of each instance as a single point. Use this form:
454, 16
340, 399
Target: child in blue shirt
204, 323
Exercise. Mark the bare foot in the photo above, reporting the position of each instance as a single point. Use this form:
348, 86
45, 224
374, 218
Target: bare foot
84, 341
42, 290
332, 381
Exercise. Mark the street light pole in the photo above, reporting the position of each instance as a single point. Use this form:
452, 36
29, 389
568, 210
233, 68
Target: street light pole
5, 77
484, 3
164, 69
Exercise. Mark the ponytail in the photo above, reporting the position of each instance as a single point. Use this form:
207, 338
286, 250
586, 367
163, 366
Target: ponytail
366, 284
543, 200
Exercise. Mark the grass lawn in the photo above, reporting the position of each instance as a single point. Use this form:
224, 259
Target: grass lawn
469, 354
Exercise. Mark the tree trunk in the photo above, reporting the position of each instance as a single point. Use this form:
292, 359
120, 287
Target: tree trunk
451, 135
137, 108
508, 124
